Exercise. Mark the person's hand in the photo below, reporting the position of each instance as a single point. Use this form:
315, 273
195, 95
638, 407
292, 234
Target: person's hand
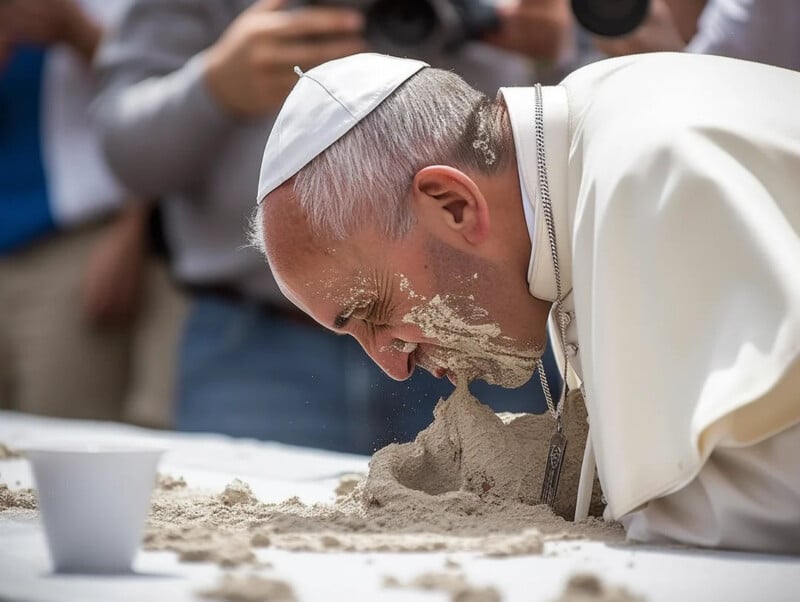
658, 32
249, 69
48, 22
114, 272
536, 28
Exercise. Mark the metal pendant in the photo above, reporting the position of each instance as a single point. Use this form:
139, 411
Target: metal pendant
552, 471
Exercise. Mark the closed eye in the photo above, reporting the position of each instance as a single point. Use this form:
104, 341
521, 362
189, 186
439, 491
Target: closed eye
343, 318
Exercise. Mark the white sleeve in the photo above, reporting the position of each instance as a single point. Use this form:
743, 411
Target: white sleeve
744, 498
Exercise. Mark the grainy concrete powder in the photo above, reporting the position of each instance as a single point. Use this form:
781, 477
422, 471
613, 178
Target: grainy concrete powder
470, 481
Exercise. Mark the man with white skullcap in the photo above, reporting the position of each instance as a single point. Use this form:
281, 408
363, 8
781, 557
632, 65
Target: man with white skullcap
647, 206
189, 92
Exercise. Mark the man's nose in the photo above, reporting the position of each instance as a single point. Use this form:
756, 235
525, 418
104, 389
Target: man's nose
386, 353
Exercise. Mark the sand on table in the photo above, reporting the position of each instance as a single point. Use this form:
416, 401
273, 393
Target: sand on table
470, 481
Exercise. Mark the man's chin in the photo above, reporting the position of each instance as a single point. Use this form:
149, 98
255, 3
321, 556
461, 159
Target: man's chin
508, 378
511, 374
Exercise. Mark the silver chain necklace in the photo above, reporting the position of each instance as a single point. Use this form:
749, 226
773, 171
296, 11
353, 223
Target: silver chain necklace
558, 441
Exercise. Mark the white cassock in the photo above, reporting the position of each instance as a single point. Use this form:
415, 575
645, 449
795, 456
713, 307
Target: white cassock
675, 182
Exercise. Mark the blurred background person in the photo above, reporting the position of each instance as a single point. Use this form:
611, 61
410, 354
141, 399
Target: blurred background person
88, 320
190, 89
765, 31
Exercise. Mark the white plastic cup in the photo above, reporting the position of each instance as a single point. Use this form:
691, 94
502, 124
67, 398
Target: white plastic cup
94, 501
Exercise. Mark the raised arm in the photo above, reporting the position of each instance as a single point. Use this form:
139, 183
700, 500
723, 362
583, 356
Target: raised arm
179, 75
158, 122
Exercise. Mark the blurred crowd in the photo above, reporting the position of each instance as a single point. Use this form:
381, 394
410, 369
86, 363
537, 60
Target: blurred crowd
131, 134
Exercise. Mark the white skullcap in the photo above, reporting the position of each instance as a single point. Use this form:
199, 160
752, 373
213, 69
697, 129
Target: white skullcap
325, 104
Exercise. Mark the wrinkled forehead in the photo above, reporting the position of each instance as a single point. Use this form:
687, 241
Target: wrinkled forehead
289, 241
328, 289
306, 266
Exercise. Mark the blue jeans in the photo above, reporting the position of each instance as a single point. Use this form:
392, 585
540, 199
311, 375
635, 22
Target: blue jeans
248, 373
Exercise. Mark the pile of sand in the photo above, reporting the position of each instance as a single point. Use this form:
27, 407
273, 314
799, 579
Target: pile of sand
455, 584
18, 498
8, 453
250, 588
471, 457
257, 588
590, 588
470, 481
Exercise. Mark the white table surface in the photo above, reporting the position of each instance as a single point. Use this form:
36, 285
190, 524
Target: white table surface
276, 472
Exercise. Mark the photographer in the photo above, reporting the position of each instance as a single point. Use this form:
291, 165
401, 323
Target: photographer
766, 32
84, 297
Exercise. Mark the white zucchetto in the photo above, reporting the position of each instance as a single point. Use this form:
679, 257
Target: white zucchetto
325, 103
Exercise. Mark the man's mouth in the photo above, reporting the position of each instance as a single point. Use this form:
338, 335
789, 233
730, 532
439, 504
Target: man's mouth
438, 372
424, 360
442, 372
430, 357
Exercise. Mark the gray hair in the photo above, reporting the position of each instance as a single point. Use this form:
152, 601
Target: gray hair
434, 118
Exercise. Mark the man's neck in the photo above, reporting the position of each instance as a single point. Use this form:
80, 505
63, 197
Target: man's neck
508, 219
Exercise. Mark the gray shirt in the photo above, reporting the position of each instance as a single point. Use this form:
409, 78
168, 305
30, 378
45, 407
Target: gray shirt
165, 135
766, 32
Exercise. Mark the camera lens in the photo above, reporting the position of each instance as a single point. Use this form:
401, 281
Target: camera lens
406, 23
610, 18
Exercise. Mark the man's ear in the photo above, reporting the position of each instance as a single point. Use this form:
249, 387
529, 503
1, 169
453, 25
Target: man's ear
448, 202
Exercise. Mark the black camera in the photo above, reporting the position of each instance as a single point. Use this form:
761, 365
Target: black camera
422, 24
610, 18
446, 24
